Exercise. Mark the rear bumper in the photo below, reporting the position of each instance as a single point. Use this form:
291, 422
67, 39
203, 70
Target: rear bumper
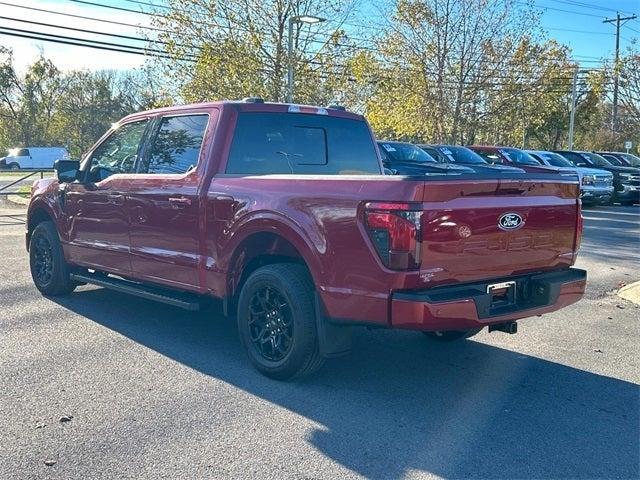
462, 307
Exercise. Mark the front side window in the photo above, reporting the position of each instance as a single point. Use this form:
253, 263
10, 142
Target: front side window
176, 146
296, 143
23, 152
118, 153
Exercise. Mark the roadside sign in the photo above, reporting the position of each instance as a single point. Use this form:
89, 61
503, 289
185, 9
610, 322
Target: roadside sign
628, 145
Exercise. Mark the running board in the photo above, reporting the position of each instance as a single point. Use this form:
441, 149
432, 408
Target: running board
157, 294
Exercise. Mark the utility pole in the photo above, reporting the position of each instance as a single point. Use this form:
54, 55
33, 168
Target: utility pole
572, 118
618, 21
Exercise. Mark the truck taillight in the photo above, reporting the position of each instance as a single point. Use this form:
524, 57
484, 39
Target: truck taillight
394, 230
579, 228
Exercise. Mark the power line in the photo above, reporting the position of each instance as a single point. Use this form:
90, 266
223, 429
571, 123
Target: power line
587, 5
45, 37
564, 10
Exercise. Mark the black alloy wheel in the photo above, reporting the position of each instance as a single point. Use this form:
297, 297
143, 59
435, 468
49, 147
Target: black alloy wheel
270, 323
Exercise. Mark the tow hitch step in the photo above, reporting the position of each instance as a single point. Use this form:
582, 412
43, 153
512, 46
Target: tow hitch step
508, 327
177, 299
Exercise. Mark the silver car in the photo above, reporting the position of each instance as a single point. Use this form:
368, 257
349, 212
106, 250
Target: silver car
596, 186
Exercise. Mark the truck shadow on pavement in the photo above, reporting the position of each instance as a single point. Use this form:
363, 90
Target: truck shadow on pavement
401, 403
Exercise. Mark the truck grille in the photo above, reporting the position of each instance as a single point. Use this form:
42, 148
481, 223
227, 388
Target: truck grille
603, 181
634, 180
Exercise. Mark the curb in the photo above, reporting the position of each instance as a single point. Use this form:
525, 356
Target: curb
631, 292
18, 200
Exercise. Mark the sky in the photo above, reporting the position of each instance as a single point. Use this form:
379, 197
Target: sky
577, 23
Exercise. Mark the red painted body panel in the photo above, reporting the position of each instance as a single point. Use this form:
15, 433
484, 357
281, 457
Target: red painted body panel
462, 314
204, 243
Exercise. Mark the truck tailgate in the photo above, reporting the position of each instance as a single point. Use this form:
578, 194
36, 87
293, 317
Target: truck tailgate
484, 229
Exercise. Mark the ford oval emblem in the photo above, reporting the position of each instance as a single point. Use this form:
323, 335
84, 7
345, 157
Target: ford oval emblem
510, 221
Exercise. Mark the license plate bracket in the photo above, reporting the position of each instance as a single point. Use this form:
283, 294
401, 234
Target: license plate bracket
502, 294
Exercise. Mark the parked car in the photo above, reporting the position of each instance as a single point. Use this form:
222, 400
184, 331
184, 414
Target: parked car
596, 186
513, 157
459, 155
408, 159
282, 212
33, 157
626, 180
621, 159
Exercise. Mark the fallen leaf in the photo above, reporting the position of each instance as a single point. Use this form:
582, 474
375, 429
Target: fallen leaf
40, 425
597, 350
50, 463
65, 418
621, 307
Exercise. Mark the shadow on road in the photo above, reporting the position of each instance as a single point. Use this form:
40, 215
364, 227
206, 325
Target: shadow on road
400, 402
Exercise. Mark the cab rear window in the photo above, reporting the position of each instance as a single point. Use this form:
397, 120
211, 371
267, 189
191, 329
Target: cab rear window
296, 143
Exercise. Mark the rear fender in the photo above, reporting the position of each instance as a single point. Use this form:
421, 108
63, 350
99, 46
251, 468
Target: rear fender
239, 251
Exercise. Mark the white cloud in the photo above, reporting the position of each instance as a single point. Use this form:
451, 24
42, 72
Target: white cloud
67, 57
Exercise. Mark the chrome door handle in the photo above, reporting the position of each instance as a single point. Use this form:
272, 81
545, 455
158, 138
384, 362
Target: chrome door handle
115, 199
179, 202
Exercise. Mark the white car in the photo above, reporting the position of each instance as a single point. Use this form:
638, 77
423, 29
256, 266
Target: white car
33, 157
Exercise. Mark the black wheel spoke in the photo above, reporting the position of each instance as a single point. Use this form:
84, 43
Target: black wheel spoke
270, 323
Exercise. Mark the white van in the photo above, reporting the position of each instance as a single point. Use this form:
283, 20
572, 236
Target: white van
33, 157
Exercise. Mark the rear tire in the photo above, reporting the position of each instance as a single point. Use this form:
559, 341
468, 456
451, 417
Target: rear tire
277, 322
49, 270
452, 335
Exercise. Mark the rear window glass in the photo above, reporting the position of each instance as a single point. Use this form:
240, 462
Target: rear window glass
292, 143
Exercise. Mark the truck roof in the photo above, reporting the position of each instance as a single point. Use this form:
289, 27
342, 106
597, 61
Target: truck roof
251, 106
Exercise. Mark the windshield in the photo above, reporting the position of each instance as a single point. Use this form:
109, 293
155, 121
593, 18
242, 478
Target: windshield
405, 152
614, 161
462, 155
555, 159
519, 156
632, 159
596, 159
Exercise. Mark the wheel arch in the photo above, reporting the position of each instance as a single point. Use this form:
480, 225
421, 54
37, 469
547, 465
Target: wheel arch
268, 240
37, 214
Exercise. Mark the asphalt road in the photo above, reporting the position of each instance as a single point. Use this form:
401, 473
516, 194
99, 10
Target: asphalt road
156, 392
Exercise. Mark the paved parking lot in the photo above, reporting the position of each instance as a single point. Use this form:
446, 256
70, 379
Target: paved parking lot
156, 392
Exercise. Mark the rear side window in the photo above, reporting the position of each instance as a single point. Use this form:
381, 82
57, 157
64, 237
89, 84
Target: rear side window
277, 143
176, 146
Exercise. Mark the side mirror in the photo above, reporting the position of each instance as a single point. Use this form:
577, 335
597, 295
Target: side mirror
66, 170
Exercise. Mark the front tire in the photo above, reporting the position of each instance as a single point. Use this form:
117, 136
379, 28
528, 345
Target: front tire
49, 270
452, 335
14, 166
277, 322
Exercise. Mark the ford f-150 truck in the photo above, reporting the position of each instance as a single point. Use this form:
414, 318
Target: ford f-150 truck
284, 214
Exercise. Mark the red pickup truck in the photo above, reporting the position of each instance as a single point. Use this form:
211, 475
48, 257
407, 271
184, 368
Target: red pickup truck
285, 214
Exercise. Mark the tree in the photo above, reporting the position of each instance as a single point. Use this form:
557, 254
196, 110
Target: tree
226, 50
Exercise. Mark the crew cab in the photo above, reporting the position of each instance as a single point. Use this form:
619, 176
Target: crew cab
283, 213
626, 180
596, 186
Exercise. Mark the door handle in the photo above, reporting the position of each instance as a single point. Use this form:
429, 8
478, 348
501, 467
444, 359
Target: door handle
179, 202
115, 199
